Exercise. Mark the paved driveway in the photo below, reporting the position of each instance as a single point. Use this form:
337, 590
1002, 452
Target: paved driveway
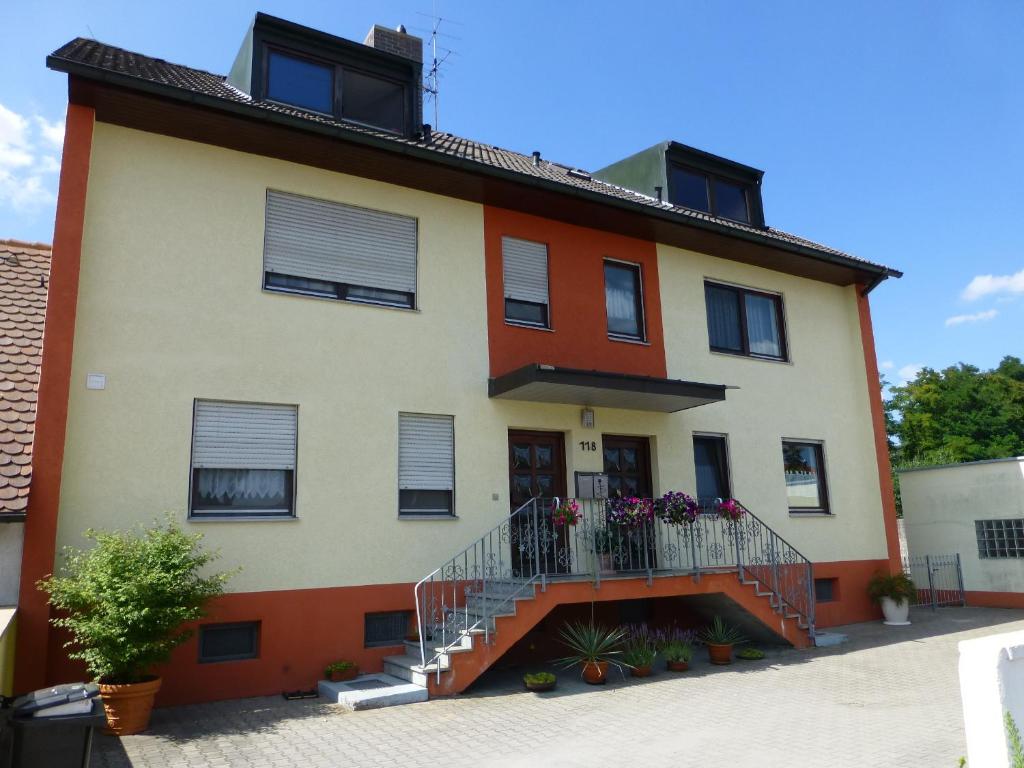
889, 697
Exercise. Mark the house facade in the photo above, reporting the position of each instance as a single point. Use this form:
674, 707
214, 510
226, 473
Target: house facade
345, 347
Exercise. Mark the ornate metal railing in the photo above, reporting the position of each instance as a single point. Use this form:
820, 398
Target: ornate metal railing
530, 546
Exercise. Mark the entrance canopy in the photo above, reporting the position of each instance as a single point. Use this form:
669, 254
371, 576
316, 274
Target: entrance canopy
548, 384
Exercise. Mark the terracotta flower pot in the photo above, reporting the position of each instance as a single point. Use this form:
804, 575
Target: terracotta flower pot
128, 706
720, 654
644, 671
595, 672
678, 666
341, 675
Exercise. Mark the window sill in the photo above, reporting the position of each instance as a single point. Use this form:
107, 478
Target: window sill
741, 356
335, 300
810, 513
427, 517
528, 326
242, 518
627, 340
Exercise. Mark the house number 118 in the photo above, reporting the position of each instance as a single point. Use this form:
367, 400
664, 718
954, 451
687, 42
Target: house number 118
588, 445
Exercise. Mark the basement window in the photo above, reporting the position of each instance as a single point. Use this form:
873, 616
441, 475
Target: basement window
229, 642
826, 590
386, 628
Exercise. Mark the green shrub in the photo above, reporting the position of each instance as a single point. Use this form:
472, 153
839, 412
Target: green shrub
896, 586
540, 678
750, 654
126, 599
339, 666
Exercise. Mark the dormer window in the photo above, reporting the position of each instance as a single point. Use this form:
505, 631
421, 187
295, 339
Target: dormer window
709, 193
300, 82
373, 101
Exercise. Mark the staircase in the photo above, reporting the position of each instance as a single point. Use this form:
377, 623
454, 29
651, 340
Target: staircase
478, 604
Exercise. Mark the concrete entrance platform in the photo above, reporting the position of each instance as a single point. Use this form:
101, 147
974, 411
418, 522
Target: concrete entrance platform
371, 692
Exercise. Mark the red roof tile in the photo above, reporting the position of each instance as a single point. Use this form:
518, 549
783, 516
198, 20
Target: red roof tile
24, 278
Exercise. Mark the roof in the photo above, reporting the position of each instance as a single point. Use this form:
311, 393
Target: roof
24, 276
97, 61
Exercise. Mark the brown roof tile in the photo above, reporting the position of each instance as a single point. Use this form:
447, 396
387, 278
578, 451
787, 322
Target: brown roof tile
24, 277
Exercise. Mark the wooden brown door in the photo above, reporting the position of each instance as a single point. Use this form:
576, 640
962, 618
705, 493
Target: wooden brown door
536, 468
627, 462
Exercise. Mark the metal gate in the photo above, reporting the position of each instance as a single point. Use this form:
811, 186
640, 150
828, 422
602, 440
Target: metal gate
938, 578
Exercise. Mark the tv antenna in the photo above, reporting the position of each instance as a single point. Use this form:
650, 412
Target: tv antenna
438, 56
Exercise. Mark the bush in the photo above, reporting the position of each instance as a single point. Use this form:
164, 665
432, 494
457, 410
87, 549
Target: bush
124, 601
540, 678
897, 586
338, 667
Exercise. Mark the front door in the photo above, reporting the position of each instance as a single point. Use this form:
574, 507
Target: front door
536, 468
627, 462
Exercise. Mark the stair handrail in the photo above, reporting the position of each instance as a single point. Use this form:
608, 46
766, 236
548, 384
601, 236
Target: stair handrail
453, 561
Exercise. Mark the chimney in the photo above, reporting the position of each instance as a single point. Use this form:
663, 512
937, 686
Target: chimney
396, 41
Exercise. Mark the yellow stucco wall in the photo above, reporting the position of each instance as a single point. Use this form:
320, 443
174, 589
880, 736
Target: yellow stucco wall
940, 505
171, 309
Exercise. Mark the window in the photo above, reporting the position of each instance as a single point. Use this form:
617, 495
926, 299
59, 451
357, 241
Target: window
300, 82
826, 590
229, 642
373, 101
426, 464
707, 192
804, 465
524, 268
623, 300
745, 322
387, 628
337, 251
1000, 538
711, 464
243, 460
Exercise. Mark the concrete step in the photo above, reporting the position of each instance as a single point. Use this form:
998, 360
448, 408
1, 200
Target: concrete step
371, 692
828, 639
408, 668
461, 644
495, 606
495, 588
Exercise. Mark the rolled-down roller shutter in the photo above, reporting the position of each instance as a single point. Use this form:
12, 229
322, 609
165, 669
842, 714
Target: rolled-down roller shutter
243, 436
525, 270
426, 452
321, 240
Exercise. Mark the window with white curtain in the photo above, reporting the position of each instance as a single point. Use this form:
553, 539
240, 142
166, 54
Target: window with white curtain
243, 459
623, 297
745, 322
426, 464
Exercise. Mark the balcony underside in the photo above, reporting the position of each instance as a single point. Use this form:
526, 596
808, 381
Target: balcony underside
548, 384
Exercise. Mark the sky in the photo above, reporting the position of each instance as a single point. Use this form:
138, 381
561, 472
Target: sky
892, 131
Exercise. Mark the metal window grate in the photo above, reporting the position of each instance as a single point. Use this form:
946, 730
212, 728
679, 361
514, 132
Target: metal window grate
1000, 538
825, 590
388, 628
229, 642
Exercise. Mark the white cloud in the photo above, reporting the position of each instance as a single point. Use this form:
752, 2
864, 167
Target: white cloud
909, 372
887, 365
27, 160
987, 285
977, 317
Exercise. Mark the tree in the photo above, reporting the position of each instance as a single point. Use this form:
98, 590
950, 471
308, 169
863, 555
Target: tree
960, 413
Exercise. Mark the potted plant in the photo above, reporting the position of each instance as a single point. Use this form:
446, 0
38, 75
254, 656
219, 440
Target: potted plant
630, 511
125, 602
750, 654
639, 649
566, 513
676, 647
594, 649
677, 508
603, 547
540, 682
719, 637
730, 509
894, 592
340, 671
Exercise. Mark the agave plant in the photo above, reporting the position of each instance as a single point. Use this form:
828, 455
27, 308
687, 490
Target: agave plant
591, 643
720, 633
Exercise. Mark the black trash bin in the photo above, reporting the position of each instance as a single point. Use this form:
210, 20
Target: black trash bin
51, 727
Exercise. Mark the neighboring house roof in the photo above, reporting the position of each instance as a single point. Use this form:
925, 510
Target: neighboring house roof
24, 277
89, 58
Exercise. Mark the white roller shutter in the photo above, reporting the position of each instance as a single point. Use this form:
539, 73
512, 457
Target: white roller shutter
243, 436
426, 452
321, 240
525, 270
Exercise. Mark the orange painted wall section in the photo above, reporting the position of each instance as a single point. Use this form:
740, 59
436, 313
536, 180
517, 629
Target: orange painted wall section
52, 406
579, 332
878, 423
852, 603
995, 599
301, 632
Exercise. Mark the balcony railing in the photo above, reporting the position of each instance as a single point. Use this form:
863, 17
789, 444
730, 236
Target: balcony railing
532, 546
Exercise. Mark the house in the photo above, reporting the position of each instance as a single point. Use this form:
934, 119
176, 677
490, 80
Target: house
974, 510
347, 348
24, 269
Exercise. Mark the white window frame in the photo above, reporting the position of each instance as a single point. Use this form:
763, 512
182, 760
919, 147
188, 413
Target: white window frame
413, 515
